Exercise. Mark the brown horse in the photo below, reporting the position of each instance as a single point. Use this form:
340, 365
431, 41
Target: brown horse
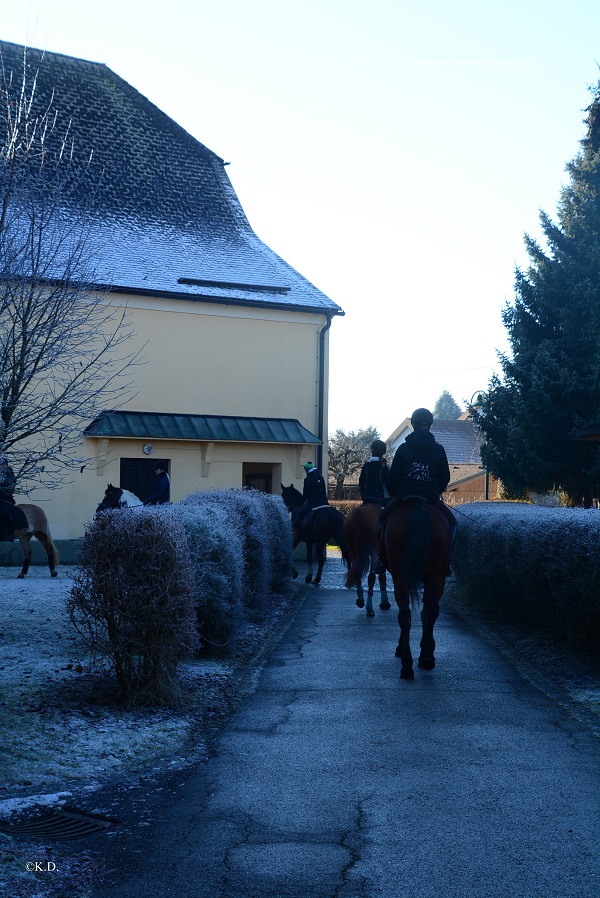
360, 531
37, 525
415, 546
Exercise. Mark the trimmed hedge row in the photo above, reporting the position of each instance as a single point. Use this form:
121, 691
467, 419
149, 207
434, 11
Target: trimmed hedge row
155, 584
533, 564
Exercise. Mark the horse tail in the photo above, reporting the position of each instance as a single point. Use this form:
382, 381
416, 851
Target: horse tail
359, 537
416, 554
54, 551
340, 538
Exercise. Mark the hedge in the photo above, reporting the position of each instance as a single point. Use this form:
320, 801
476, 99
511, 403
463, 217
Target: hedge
533, 564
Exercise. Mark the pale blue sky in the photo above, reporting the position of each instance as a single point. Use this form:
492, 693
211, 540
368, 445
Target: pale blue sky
394, 153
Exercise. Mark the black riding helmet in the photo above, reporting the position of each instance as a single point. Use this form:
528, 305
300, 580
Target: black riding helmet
421, 417
378, 448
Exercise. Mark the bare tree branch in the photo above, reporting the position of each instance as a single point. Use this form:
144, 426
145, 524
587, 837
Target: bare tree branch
65, 351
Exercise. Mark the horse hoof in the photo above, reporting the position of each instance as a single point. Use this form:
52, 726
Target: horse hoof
308, 579
370, 613
54, 573
407, 674
385, 606
426, 663
20, 576
360, 603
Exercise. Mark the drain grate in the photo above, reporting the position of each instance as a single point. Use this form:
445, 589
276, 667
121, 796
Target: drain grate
60, 825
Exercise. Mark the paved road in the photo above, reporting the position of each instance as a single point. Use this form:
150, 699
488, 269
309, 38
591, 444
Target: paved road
335, 779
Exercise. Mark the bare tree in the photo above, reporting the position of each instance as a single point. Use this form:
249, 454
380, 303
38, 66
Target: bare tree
347, 453
63, 352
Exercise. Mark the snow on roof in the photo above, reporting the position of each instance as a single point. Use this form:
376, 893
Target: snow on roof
166, 218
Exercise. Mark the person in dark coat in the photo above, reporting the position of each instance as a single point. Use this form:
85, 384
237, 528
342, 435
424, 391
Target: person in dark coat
420, 466
314, 493
8, 483
162, 493
374, 480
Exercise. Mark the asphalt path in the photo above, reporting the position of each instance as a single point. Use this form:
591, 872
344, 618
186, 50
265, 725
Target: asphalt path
337, 779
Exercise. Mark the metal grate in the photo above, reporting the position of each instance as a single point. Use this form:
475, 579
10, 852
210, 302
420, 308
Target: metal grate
60, 825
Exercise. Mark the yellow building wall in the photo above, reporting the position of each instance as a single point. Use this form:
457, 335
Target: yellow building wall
203, 358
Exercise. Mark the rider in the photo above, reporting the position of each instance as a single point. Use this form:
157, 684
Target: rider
374, 480
162, 493
420, 467
314, 494
8, 483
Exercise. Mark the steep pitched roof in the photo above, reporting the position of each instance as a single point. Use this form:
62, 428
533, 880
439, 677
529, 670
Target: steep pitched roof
167, 219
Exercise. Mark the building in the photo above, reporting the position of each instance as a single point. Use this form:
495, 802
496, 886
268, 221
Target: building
234, 389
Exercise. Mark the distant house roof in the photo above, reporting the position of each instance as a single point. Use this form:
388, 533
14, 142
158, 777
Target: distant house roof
460, 438
212, 428
166, 219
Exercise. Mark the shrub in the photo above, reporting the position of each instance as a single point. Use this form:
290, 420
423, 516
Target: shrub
132, 599
279, 530
345, 506
533, 564
247, 513
216, 552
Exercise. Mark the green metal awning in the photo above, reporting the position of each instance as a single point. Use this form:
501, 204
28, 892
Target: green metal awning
211, 428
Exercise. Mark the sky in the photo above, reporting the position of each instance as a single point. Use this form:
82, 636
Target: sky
394, 153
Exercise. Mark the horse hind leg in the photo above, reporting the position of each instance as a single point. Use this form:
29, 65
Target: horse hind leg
49, 549
384, 602
370, 585
429, 615
403, 648
360, 595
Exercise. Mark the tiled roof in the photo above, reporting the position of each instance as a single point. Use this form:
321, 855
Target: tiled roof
212, 428
166, 218
460, 439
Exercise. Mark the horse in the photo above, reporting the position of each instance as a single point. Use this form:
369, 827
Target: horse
415, 546
360, 531
27, 521
325, 524
115, 497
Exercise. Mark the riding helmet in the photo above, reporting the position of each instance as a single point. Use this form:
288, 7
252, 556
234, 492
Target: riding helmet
420, 417
378, 448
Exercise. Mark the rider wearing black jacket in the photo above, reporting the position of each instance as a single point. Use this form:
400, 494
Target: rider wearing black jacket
373, 483
314, 494
420, 466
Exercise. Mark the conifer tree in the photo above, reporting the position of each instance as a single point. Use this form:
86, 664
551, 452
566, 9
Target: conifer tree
551, 381
446, 407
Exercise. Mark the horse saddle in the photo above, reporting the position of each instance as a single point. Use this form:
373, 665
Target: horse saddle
11, 518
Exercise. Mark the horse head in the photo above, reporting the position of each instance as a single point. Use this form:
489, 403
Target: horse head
291, 497
112, 498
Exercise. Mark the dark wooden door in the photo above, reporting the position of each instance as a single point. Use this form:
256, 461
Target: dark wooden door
137, 475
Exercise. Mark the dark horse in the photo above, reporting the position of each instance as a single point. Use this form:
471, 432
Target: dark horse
25, 522
115, 497
415, 547
360, 531
325, 525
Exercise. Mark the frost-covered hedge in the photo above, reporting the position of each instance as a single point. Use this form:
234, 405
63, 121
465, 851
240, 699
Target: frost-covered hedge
132, 599
154, 583
534, 564
264, 525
